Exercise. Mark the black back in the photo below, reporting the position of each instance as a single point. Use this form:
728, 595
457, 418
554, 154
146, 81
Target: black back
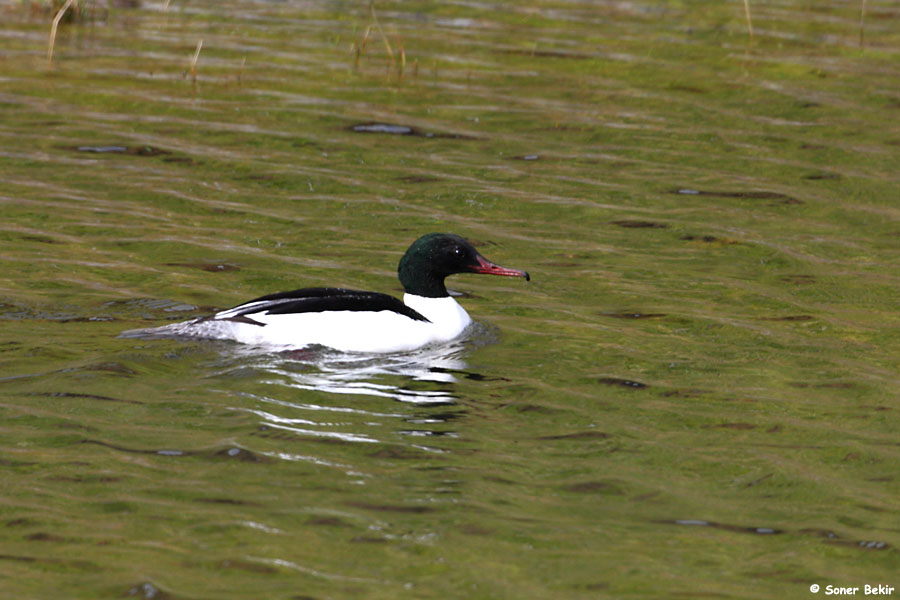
312, 300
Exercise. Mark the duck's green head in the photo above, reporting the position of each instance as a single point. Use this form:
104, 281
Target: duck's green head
435, 256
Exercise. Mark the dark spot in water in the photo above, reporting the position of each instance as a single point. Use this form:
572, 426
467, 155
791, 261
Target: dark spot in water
738, 426
628, 314
163, 452
22, 522
579, 435
759, 480
142, 150
147, 151
838, 385
78, 426
92, 319
229, 501
13, 557
327, 521
85, 478
750, 195
472, 529
384, 128
85, 396
687, 88
821, 176
426, 433
709, 239
639, 224
368, 539
798, 279
211, 267
480, 377
647, 496
833, 538
442, 417
819, 533
240, 454
418, 178
40, 239
109, 367
246, 565
789, 318
531, 408
875, 509
543, 53
102, 149
394, 129
498, 479
628, 383
468, 375
396, 508
593, 487
184, 160
735, 528
82, 565
685, 393
43, 536
871, 545
398, 453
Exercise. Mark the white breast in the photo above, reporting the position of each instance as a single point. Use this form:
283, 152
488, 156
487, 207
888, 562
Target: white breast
447, 316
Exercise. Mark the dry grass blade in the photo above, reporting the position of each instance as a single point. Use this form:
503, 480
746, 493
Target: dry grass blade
56, 19
749, 21
387, 44
194, 62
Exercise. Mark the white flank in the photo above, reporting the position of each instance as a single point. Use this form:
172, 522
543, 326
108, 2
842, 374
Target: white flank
347, 331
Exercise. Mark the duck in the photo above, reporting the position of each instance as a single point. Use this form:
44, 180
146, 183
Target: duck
349, 320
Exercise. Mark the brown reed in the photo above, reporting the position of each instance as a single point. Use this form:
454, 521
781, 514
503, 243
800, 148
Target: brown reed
56, 20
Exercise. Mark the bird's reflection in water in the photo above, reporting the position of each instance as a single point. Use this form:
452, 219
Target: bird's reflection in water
425, 378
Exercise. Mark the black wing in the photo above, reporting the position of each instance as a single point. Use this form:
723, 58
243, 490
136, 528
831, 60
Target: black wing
317, 300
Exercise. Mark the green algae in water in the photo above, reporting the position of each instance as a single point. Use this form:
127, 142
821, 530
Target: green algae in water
696, 394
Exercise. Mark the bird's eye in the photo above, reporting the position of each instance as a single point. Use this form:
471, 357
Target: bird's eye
458, 251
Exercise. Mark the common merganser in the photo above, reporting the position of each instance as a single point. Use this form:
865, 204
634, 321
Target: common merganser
352, 320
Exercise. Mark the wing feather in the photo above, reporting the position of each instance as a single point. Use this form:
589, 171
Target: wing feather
312, 300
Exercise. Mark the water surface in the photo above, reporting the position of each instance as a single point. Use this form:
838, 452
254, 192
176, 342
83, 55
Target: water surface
696, 395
